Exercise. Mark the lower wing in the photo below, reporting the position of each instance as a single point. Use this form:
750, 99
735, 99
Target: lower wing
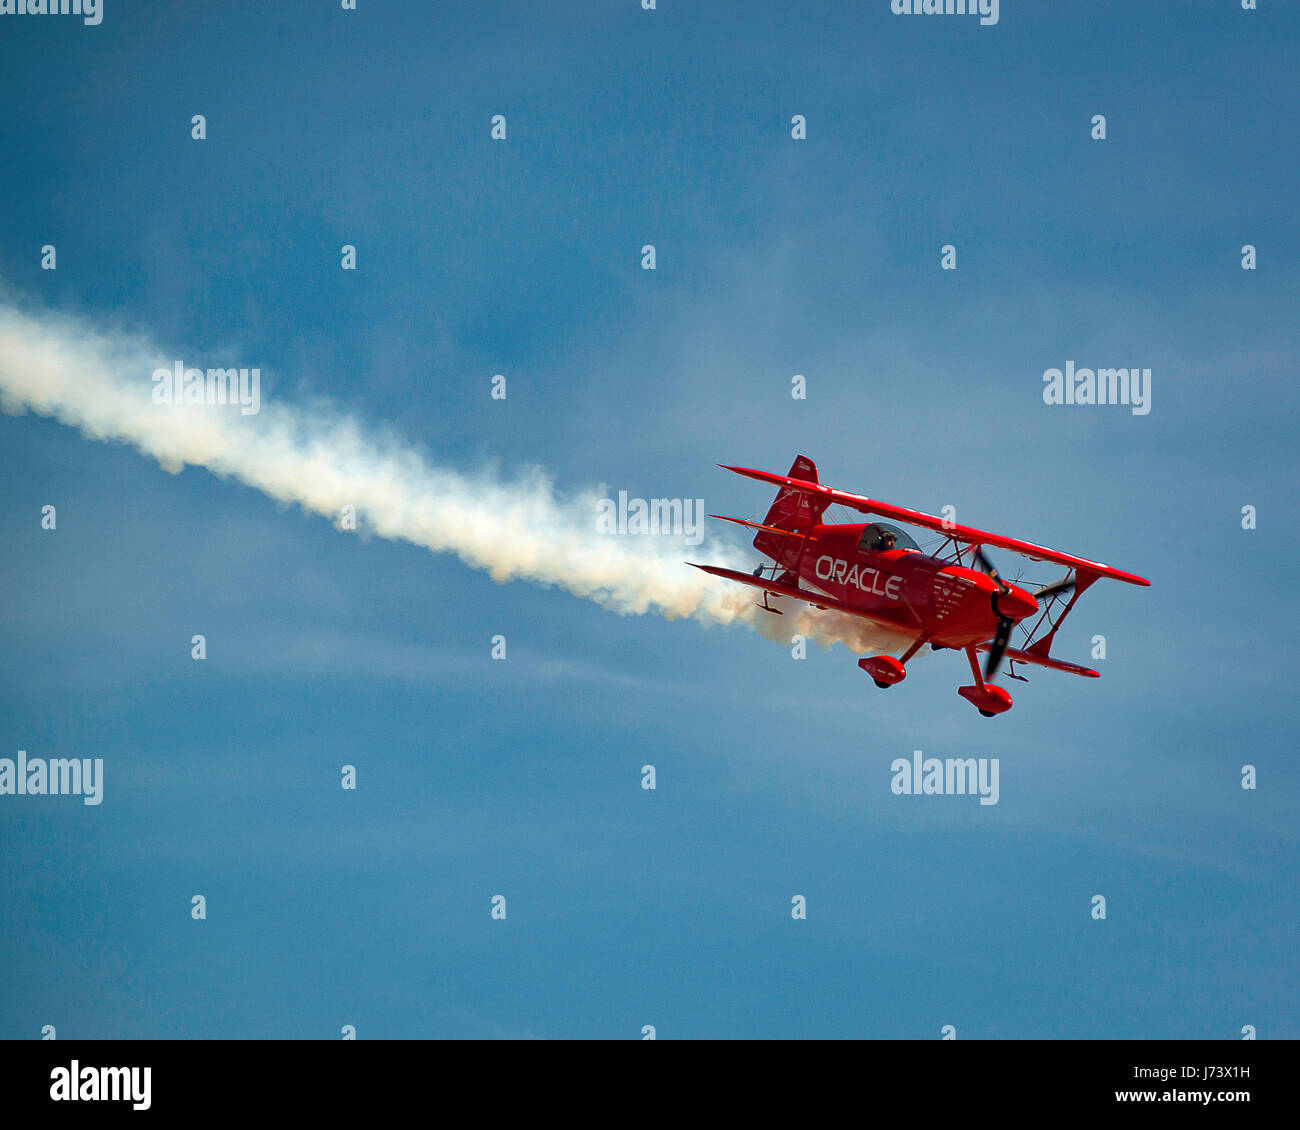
1045, 661
819, 600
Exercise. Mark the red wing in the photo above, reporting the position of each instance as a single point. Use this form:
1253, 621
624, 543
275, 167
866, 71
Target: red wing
929, 521
779, 588
1045, 661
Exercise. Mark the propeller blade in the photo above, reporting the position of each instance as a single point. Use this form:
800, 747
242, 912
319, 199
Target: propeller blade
1005, 623
988, 567
1066, 585
998, 649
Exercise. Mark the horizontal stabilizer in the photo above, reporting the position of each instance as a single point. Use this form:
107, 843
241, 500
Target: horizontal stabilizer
760, 526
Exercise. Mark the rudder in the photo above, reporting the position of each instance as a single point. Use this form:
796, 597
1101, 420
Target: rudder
793, 510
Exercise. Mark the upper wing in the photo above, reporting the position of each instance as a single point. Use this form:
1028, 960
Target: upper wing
949, 529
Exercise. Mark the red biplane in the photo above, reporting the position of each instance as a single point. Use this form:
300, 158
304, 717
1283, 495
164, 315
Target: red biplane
952, 597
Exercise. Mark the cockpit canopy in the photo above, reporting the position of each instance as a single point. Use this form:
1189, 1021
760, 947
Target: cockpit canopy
882, 535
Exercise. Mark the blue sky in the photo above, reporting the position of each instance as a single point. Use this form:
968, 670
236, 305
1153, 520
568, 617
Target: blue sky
775, 257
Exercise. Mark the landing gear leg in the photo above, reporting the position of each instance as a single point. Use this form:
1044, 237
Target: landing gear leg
988, 698
911, 651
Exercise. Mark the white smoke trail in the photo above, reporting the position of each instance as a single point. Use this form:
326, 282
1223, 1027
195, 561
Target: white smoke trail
101, 382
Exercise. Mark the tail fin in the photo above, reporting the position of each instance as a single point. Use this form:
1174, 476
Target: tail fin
793, 510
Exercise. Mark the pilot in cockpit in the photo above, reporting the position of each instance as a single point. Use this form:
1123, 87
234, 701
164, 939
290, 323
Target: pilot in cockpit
880, 538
